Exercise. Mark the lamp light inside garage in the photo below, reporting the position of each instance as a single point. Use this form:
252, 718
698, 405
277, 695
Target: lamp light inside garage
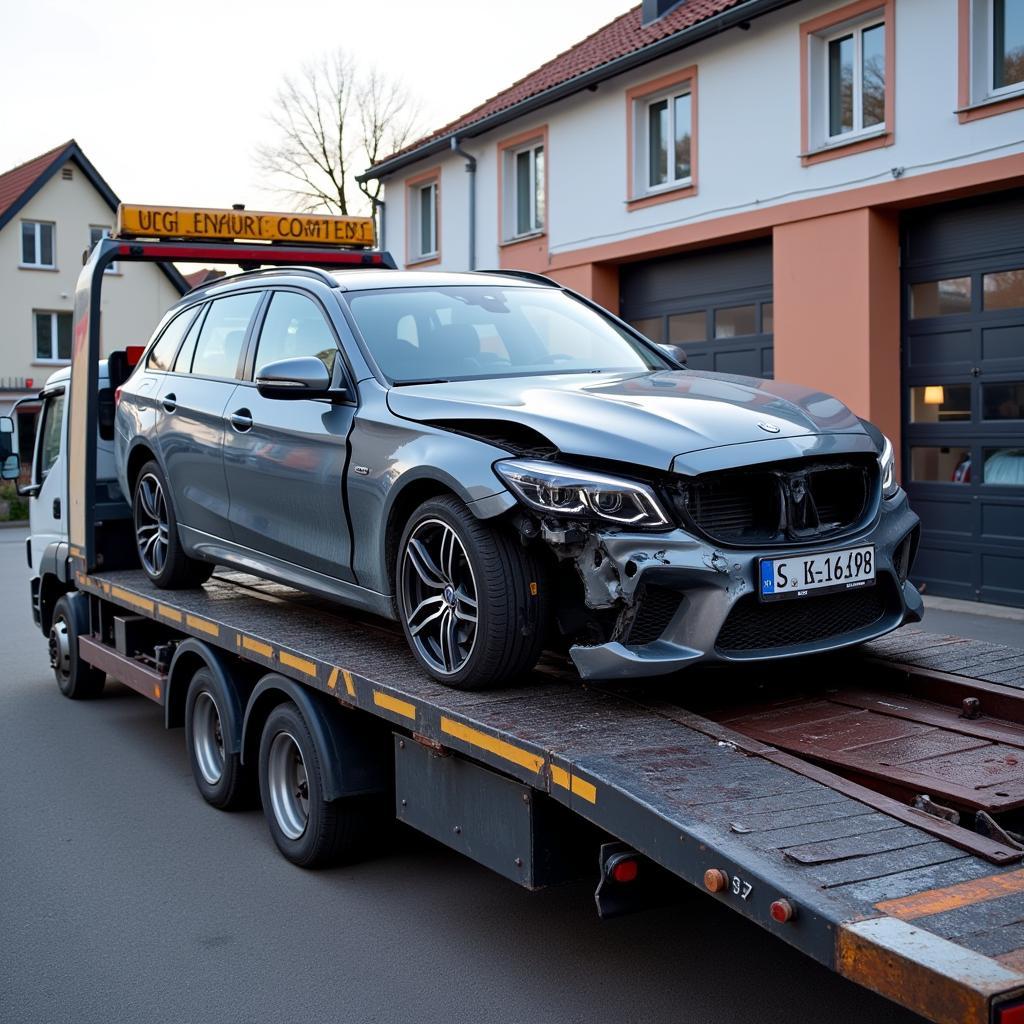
934, 394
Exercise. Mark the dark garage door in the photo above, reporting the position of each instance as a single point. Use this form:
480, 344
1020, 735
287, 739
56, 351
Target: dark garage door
716, 303
963, 396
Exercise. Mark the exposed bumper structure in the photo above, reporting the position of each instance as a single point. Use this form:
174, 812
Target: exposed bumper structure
686, 601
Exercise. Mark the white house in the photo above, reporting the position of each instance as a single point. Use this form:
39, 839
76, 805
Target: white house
822, 190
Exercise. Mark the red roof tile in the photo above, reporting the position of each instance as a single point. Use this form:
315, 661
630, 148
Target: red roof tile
624, 35
15, 182
204, 276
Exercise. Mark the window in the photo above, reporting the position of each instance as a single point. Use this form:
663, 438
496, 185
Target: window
219, 348
37, 244
668, 123
523, 185
1003, 289
1007, 44
940, 403
735, 321
295, 326
49, 435
96, 233
53, 336
183, 364
940, 298
991, 57
846, 84
688, 327
423, 209
161, 355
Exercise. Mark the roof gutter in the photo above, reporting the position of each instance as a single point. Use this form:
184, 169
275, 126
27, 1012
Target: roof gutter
687, 37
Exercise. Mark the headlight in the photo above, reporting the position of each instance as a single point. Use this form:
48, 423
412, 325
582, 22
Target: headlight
887, 465
564, 491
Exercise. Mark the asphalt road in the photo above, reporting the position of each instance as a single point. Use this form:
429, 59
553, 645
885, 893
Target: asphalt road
124, 897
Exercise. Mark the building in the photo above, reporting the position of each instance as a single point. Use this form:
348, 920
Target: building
824, 191
53, 209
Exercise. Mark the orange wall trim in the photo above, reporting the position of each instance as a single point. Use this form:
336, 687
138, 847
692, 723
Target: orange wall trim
990, 108
411, 184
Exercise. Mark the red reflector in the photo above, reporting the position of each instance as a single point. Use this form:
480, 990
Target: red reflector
117, 396
133, 353
782, 911
30, 382
625, 871
1010, 1014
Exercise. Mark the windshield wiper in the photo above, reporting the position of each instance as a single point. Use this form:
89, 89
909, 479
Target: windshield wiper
422, 380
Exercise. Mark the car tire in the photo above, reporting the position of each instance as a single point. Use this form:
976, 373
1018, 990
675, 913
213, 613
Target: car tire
221, 779
445, 552
76, 679
157, 543
310, 831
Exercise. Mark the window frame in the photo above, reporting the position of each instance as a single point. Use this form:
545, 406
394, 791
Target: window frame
977, 95
50, 400
112, 267
508, 194
413, 224
817, 144
639, 99
37, 224
340, 373
255, 317
52, 360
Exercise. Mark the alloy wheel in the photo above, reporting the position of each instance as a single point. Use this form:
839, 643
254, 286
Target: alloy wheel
208, 738
288, 785
152, 527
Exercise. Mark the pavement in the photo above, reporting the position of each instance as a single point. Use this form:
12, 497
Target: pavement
124, 897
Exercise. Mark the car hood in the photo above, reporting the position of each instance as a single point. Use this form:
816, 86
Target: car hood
646, 418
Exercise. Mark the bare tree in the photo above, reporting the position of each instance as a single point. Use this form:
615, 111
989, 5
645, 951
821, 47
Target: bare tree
331, 120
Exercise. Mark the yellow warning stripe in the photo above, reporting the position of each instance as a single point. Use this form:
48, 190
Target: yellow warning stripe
76, 552
203, 625
350, 685
332, 680
963, 894
580, 787
264, 650
492, 744
169, 613
294, 661
135, 600
389, 703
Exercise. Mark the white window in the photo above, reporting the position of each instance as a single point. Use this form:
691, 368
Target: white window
37, 244
96, 233
423, 221
848, 81
52, 336
664, 140
524, 190
997, 49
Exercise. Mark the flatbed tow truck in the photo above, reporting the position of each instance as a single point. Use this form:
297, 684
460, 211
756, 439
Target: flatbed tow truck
865, 807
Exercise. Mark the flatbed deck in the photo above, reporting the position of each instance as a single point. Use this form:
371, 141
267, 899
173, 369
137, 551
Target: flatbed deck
898, 908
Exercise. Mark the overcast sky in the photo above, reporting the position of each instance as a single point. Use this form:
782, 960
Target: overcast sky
170, 100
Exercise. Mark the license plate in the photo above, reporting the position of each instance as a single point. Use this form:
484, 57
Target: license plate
799, 575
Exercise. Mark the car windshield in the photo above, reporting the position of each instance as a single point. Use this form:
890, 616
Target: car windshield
476, 331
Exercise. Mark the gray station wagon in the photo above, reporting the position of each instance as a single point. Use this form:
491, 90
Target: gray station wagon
505, 467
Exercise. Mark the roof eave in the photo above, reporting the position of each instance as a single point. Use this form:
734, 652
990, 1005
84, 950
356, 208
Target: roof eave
687, 37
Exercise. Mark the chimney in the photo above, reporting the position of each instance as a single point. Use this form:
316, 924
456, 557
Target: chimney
652, 10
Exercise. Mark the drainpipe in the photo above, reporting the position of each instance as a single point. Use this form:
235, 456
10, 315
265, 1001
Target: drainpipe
471, 171
378, 210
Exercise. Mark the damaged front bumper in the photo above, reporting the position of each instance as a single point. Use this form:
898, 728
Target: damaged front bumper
682, 600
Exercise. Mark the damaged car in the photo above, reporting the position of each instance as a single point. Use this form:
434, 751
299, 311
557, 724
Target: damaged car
506, 468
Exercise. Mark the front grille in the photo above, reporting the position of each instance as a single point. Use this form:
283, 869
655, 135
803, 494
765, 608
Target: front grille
784, 502
756, 626
657, 605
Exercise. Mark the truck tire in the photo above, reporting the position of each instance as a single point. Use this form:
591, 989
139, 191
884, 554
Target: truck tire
76, 679
220, 777
310, 831
472, 600
156, 534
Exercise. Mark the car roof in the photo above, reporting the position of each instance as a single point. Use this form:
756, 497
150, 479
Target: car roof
63, 375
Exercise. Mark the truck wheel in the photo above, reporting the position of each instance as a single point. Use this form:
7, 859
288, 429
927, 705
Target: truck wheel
309, 830
220, 777
156, 535
76, 678
471, 598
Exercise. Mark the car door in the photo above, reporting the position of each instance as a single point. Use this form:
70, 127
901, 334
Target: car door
48, 511
192, 400
285, 458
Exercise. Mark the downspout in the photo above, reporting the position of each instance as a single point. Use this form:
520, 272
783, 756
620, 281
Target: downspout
471, 171
378, 210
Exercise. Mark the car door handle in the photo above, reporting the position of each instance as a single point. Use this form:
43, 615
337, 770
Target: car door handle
169, 402
241, 420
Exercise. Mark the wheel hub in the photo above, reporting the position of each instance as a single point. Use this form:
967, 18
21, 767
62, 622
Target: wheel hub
60, 647
207, 738
152, 525
288, 784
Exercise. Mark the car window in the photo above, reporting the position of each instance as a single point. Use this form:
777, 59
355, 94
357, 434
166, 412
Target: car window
222, 335
183, 364
49, 435
161, 355
295, 326
476, 331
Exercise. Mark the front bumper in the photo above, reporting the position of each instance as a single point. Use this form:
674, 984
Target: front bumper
707, 608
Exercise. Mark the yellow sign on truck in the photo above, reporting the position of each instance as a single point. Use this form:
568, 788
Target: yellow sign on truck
197, 223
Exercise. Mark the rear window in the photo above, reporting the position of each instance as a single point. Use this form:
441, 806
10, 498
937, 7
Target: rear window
161, 355
219, 348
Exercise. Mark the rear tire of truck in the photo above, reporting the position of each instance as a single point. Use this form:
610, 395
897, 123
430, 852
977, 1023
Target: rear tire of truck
77, 679
310, 831
157, 543
221, 779
472, 600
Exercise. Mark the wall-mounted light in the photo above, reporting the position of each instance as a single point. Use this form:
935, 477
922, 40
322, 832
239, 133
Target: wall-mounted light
934, 394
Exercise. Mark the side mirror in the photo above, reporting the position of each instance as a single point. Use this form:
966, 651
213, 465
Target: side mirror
676, 352
10, 468
301, 377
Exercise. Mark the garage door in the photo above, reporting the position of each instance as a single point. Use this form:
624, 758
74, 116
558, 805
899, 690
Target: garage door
716, 303
963, 395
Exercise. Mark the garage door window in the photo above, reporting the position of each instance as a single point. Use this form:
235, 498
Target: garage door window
940, 298
940, 465
735, 321
1003, 290
1004, 467
652, 327
688, 327
1004, 401
940, 403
